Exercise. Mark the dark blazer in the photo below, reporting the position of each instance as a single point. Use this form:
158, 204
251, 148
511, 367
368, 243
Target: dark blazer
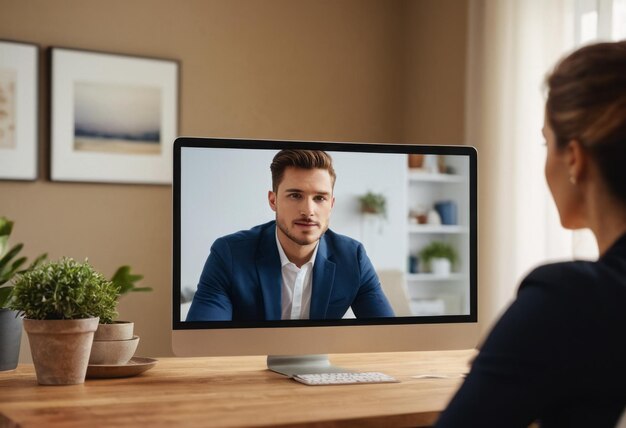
241, 279
557, 355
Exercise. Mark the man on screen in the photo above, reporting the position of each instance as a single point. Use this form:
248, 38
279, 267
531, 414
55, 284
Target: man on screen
293, 267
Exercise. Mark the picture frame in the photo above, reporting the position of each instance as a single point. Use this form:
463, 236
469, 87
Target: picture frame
114, 118
19, 93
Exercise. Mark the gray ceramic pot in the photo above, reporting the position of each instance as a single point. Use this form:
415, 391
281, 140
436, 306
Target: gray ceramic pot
10, 338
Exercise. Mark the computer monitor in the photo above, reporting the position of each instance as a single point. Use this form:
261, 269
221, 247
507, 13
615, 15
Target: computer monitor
424, 210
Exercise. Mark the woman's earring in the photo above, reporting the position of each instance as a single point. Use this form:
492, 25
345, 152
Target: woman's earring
572, 179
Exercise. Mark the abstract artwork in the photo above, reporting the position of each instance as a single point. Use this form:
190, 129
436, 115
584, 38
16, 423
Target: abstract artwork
18, 110
114, 118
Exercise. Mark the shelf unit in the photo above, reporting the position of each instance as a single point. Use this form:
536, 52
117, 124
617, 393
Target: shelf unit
432, 294
437, 229
430, 277
424, 176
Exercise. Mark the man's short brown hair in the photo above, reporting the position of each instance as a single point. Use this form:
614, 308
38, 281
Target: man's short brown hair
304, 159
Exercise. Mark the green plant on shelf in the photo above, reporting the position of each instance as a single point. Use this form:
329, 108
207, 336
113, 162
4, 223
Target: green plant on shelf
438, 250
373, 203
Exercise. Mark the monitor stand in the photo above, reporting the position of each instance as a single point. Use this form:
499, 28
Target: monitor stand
291, 365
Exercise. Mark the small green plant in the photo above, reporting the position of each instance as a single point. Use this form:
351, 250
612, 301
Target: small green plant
373, 203
10, 263
12, 266
438, 249
64, 289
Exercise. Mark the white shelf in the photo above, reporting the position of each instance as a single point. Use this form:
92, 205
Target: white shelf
422, 175
437, 228
432, 277
439, 294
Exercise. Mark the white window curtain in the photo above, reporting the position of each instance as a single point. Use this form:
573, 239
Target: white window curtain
513, 44
599, 20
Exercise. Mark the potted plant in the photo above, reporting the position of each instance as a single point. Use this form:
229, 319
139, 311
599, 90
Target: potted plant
10, 321
62, 302
114, 341
440, 256
373, 203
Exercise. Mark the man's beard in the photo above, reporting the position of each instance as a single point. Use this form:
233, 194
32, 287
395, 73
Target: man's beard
307, 241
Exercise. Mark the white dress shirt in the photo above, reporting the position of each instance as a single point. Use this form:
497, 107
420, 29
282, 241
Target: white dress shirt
297, 284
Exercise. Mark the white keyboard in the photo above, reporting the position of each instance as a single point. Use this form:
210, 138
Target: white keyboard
343, 378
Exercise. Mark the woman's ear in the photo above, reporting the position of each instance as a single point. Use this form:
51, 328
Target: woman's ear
576, 161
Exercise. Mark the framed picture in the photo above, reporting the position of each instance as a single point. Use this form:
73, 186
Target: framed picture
18, 110
114, 118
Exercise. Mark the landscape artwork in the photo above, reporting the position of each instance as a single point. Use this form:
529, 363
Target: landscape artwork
112, 118
8, 83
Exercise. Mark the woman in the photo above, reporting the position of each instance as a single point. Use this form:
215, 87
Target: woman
558, 354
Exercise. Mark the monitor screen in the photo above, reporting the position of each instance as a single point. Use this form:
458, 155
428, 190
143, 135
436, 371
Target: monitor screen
288, 247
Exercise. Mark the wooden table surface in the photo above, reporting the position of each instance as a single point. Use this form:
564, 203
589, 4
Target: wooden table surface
238, 391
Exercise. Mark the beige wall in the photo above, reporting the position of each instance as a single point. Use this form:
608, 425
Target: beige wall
351, 70
433, 104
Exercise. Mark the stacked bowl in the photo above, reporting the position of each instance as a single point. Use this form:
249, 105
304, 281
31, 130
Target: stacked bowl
113, 344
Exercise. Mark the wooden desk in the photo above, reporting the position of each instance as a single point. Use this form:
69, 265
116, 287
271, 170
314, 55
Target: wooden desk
237, 391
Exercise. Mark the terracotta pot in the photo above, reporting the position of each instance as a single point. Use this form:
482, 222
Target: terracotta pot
10, 339
367, 209
416, 161
60, 349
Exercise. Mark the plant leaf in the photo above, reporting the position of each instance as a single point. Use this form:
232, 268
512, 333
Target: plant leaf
6, 226
142, 289
8, 273
4, 261
4, 296
126, 281
35, 263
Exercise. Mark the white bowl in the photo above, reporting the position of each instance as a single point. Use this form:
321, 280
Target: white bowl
118, 330
113, 352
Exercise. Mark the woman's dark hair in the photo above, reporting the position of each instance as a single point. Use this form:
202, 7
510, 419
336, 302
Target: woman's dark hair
305, 159
587, 102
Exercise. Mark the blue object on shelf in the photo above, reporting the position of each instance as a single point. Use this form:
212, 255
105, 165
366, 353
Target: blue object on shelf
447, 211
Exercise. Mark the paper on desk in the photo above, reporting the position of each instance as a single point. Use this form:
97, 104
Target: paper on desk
439, 376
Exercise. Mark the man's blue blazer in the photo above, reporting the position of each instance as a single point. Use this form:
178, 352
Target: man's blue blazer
241, 279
